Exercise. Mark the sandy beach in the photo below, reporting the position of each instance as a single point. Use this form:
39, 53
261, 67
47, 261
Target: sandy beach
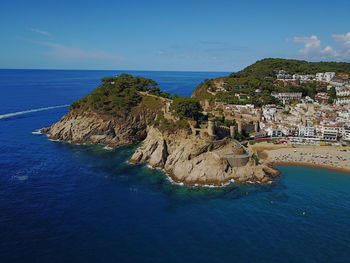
330, 157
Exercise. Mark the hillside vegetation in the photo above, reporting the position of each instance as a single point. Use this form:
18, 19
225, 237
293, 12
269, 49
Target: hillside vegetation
125, 96
116, 94
261, 76
269, 66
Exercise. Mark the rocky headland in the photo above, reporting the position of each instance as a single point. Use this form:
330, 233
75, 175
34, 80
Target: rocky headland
192, 160
91, 127
186, 151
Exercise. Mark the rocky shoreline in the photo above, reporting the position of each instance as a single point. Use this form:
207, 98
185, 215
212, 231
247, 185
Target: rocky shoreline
192, 161
93, 128
185, 157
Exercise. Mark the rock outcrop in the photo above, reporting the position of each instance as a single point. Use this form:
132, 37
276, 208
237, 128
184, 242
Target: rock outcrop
94, 128
192, 160
187, 158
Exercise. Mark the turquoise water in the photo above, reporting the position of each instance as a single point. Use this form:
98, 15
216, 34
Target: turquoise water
70, 203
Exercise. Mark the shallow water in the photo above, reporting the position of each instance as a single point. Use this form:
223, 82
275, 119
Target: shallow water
74, 203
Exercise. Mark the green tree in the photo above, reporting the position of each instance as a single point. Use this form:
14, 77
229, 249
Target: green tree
188, 108
116, 94
332, 94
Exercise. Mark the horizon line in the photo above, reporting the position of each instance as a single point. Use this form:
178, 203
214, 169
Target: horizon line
144, 70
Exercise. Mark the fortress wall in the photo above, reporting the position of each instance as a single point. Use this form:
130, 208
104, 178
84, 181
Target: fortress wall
238, 156
222, 131
248, 127
238, 161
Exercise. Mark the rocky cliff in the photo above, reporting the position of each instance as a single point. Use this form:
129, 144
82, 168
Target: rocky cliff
192, 160
92, 127
186, 158
126, 109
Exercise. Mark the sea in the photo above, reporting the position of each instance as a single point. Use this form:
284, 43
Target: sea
75, 203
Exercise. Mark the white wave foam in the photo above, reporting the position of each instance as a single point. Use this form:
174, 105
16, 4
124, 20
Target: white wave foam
21, 177
253, 182
8, 115
54, 140
209, 186
107, 148
168, 177
37, 131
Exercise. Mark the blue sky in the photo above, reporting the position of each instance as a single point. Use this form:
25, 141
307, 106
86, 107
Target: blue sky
170, 35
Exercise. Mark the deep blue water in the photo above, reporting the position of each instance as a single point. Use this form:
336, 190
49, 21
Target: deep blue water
67, 203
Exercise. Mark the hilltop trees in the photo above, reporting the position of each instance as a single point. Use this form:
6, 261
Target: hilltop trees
158, 92
116, 94
255, 83
187, 108
269, 66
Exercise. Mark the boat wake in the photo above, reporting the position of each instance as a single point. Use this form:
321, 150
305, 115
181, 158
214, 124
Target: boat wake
8, 115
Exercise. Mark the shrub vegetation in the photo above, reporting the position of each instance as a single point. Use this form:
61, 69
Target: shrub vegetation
116, 94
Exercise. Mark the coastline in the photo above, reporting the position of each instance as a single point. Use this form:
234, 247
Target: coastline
175, 181
266, 159
327, 167
214, 184
267, 153
336, 158
169, 174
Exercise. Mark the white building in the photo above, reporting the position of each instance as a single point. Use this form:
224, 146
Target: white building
282, 75
274, 132
307, 131
343, 92
330, 133
340, 101
269, 112
325, 77
307, 77
346, 133
287, 96
296, 76
289, 130
344, 114
328, 76
319, 76
339, 82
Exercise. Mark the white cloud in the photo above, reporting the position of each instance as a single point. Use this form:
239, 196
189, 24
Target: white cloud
343, 39
41, 32
314, 50
63, 52
311, 44
328, 50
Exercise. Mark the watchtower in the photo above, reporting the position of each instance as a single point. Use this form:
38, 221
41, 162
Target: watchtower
167, 107
256, 126
239, 128
259, 115
232, 131
211, 127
